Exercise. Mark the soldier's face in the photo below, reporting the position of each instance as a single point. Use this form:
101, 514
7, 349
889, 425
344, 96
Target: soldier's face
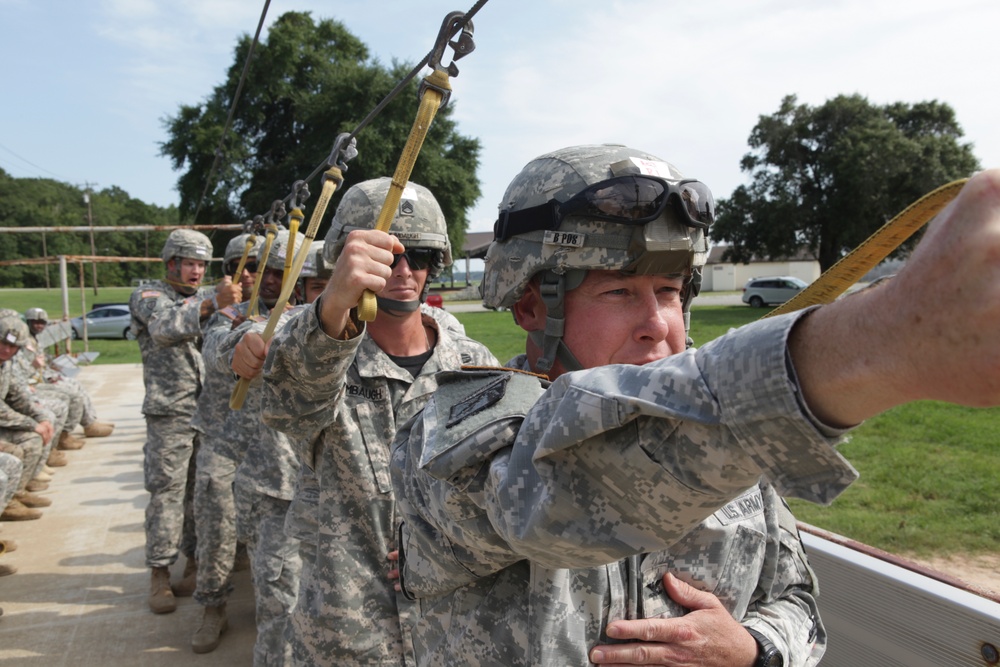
7, 351
614, 318
186, 272
404, 284
270, 285
312, 288
37, 326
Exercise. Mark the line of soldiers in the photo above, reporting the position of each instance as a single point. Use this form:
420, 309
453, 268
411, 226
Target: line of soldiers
40, 408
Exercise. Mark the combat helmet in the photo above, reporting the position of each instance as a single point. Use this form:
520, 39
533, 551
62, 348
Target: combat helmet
276, 258
187, 243
594, 207
418, 223
315, 266
13, 330
36, 314
237, 246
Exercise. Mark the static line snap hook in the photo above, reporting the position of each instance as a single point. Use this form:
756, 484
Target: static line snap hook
277, 212
300, 194
463, 46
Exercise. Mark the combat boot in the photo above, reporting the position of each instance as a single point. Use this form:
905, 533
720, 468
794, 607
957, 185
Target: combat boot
57, 459
36, 485
31, 500
68, 442
15, 511
43, 476
189, 580
208, 635
161, 598
6, 569
7, 545
98, 429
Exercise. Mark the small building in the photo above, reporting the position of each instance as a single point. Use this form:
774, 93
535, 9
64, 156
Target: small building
728, 276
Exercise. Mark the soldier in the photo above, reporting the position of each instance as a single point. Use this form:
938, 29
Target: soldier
262, 485
215, 511
167, 317
598, 252
37, 319
338, 386
26, 427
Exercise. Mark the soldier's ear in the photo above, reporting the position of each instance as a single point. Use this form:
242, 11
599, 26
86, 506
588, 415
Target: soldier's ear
529, 311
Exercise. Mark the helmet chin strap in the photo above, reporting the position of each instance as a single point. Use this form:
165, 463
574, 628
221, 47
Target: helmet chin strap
399, 306
553, 287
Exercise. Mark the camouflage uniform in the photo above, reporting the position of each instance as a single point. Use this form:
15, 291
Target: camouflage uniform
214, 506
607, 465
168, 328
66, 406
263, 487
10, 477
341, 401
19, 415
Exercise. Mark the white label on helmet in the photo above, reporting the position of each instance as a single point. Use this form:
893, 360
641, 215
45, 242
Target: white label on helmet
571, 239
655, 168
11, 338
201, 251
408, 201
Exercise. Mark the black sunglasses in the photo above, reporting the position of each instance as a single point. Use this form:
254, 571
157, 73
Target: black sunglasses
418, 258
234, 264
630, 200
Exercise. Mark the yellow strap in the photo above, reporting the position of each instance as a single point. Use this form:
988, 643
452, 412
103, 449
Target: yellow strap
839, 277
272, 232
332, 177
243, 260
429, 104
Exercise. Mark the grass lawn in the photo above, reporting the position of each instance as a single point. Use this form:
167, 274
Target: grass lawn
928, 470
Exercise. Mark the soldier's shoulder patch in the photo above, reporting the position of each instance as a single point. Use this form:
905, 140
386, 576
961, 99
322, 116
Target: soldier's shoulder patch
473, 391
747, 505
150, 293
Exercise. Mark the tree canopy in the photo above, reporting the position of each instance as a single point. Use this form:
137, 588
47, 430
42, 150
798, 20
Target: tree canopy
825, 178
308, 82
40, 202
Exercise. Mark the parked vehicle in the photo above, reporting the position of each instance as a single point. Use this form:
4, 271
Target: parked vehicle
772, 290
110, 321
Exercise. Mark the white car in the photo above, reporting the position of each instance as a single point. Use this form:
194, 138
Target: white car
113, 321
772, 290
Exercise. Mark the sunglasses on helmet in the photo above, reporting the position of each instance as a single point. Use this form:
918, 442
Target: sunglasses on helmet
418, 258
630, 200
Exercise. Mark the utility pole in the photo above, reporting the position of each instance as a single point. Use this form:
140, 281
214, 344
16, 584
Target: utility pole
93, 250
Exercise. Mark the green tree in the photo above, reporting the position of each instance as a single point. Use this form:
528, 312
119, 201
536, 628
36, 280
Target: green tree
41, 202
826, 177
307, 83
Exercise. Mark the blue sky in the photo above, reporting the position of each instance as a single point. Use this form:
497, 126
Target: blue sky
86, 83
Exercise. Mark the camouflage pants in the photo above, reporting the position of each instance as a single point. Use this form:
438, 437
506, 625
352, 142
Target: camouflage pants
169, 470
215, 525
28, 447
10, 477
81, 407
275, 566
57, 408
302, 523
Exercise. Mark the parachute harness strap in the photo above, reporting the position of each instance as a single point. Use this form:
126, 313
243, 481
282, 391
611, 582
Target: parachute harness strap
343, 150
852, 266
435, 90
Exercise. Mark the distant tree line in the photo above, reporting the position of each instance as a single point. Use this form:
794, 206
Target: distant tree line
42, 202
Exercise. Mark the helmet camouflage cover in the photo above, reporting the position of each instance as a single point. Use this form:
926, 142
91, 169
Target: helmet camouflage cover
662, 246
315, 266
36, 314
279, 249
419, 221
237, 246
13, 330
187, 243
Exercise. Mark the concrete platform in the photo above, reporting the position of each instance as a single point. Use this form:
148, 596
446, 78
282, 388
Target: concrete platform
79, 597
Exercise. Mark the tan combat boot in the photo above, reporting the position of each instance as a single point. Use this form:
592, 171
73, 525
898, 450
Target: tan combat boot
7, 569
161, 598
15, 511
34, 486
98, 429
31, 500
57, 459
208, 635
68, 442
189, 580
7, 545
